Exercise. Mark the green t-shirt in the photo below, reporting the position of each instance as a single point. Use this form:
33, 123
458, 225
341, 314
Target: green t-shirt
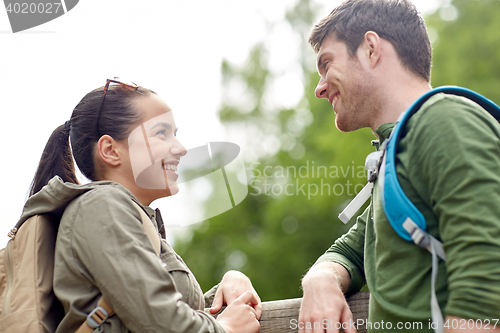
448, 164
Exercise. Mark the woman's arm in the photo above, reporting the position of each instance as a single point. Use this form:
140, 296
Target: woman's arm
114, 253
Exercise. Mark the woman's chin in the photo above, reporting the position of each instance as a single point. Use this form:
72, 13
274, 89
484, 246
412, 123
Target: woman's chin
163, 193
173, 189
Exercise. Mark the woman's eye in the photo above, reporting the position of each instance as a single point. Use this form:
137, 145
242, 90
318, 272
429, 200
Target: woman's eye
162, 132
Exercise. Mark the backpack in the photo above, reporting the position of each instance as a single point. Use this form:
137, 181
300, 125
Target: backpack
27, 300
404, 217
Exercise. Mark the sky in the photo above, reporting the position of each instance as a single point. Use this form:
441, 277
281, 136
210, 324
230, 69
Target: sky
172, 47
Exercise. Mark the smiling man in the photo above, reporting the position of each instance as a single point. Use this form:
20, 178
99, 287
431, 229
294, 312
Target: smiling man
374, 61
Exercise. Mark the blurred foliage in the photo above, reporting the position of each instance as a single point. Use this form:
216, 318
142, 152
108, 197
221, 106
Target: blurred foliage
275, 238
467, 49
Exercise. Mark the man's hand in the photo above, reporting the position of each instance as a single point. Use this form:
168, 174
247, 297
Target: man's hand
233, 285
323, 305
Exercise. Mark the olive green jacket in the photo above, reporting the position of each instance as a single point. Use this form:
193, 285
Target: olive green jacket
102, 249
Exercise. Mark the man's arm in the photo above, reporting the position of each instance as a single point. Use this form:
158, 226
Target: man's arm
324, 302
337, 272
330, 272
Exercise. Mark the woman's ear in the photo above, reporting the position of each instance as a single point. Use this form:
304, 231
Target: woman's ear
109, 150
371, 48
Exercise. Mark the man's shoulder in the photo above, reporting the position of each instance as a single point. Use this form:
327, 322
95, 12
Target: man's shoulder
449, 108
446, 115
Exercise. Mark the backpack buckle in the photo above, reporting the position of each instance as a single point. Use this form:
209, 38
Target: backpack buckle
372, 164
12, 233
419, 237
97, 317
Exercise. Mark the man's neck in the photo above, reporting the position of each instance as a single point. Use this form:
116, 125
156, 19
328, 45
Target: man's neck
399, 96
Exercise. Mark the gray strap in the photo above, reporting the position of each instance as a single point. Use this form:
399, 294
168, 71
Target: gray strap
423, 239
435, 247
381, 177
437, 315
356, 203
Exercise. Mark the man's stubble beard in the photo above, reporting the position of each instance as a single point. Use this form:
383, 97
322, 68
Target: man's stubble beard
361, 107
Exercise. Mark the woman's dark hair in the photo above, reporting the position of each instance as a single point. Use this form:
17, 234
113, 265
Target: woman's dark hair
118, 114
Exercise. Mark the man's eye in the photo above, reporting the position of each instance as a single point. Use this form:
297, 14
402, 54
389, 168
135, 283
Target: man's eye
322, 68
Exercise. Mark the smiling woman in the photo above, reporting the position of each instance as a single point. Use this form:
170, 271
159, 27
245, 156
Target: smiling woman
123, 138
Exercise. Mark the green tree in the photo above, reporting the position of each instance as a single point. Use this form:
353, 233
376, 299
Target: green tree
275, 238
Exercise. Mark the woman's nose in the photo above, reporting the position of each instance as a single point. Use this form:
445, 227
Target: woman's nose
321, 89
178, 149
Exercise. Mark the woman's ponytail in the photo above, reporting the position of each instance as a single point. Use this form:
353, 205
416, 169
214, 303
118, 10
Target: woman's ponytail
56, 160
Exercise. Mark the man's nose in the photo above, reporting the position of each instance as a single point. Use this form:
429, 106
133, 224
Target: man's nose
321, 89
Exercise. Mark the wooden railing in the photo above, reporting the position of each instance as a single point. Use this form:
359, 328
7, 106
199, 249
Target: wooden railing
282, 316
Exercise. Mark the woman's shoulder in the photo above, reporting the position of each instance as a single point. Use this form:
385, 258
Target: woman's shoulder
105, 203
108, 192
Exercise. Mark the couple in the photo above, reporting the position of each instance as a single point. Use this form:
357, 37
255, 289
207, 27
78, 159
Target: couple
374, 60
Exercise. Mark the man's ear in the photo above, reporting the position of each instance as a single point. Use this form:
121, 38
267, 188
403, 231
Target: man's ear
108, 150
371, 48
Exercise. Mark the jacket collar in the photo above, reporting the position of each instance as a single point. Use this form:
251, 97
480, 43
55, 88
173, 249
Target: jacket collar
384, 131
56, 195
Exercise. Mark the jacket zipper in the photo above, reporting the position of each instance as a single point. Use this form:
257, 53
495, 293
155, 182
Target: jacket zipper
10, 279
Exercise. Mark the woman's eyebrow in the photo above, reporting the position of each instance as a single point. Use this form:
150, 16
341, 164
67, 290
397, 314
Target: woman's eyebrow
164, 124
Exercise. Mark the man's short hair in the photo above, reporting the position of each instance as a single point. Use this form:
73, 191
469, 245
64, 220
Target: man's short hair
397, 21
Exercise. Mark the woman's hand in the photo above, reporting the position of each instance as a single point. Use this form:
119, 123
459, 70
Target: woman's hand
240, 315
233, 285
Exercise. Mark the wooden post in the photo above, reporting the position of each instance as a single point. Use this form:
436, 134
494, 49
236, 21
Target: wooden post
282, 316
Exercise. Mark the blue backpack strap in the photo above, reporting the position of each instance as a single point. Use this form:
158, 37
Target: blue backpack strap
402, 214
400, 207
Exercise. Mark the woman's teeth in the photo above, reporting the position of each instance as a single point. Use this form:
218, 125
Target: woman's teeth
171, 167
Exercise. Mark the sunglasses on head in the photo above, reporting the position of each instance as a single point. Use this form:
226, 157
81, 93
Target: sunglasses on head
106, 87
